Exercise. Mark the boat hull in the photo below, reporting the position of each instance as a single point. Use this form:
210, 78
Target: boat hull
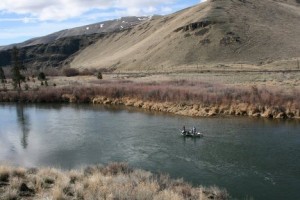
189, 134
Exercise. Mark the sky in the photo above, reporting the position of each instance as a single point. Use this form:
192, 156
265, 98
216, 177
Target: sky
25, 19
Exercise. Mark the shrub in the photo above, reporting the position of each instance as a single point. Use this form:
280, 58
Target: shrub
99, 75
87, 72
178, 92
69, 72
53, 72
116, 168
4, 175
42, 76
26, 86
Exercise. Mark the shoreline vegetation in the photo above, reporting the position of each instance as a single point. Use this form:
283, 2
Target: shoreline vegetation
188, 98
114, 181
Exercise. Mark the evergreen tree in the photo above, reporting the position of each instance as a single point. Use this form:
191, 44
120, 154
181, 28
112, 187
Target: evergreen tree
99, 75
2, 77
17, 66
42, 76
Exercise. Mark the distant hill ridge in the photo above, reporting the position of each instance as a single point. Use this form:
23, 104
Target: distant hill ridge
101, 27
54, 49
252, 32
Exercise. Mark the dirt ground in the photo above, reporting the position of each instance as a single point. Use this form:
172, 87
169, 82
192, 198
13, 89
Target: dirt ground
271, 79
289, 80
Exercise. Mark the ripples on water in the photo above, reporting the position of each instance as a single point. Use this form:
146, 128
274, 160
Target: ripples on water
249, 157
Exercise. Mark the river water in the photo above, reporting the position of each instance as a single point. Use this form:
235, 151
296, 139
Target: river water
256, 158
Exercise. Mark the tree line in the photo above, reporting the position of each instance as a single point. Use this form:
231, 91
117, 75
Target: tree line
18, 68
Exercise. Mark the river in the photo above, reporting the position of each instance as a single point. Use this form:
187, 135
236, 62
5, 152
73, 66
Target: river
249, 157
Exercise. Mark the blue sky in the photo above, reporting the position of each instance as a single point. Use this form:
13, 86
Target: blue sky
24, 19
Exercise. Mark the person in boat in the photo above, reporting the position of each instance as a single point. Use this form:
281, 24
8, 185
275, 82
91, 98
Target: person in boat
194, 130
183, 129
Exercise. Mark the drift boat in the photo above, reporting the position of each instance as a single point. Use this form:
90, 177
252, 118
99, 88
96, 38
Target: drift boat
191, 134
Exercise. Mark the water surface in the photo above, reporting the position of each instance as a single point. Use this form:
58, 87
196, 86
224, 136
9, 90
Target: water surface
249, 157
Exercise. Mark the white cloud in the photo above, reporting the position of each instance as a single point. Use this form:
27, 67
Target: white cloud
21, 19
65, 9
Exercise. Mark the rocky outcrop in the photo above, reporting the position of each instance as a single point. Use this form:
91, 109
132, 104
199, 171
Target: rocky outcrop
53, 54
230, 38
195, 25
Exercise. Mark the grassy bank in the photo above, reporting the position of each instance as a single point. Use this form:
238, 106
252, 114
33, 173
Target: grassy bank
115, 181
193, 98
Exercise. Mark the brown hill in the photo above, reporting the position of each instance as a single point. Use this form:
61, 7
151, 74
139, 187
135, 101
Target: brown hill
252, 32
56, 49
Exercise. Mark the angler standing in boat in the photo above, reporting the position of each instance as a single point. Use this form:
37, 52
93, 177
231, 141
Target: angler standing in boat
183, 130
194, 130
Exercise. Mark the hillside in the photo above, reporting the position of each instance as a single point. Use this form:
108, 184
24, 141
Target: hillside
252, 32
55, 49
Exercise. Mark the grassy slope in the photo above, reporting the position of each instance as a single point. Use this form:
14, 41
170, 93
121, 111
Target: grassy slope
251, 32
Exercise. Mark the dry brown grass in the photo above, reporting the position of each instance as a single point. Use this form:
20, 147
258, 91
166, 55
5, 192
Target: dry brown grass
188, 92
114, 181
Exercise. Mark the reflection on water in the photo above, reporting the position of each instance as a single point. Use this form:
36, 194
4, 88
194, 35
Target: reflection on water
249, 157
24, 124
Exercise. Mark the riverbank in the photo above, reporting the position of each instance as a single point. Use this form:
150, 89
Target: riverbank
115, 181
198, 110
189, 98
